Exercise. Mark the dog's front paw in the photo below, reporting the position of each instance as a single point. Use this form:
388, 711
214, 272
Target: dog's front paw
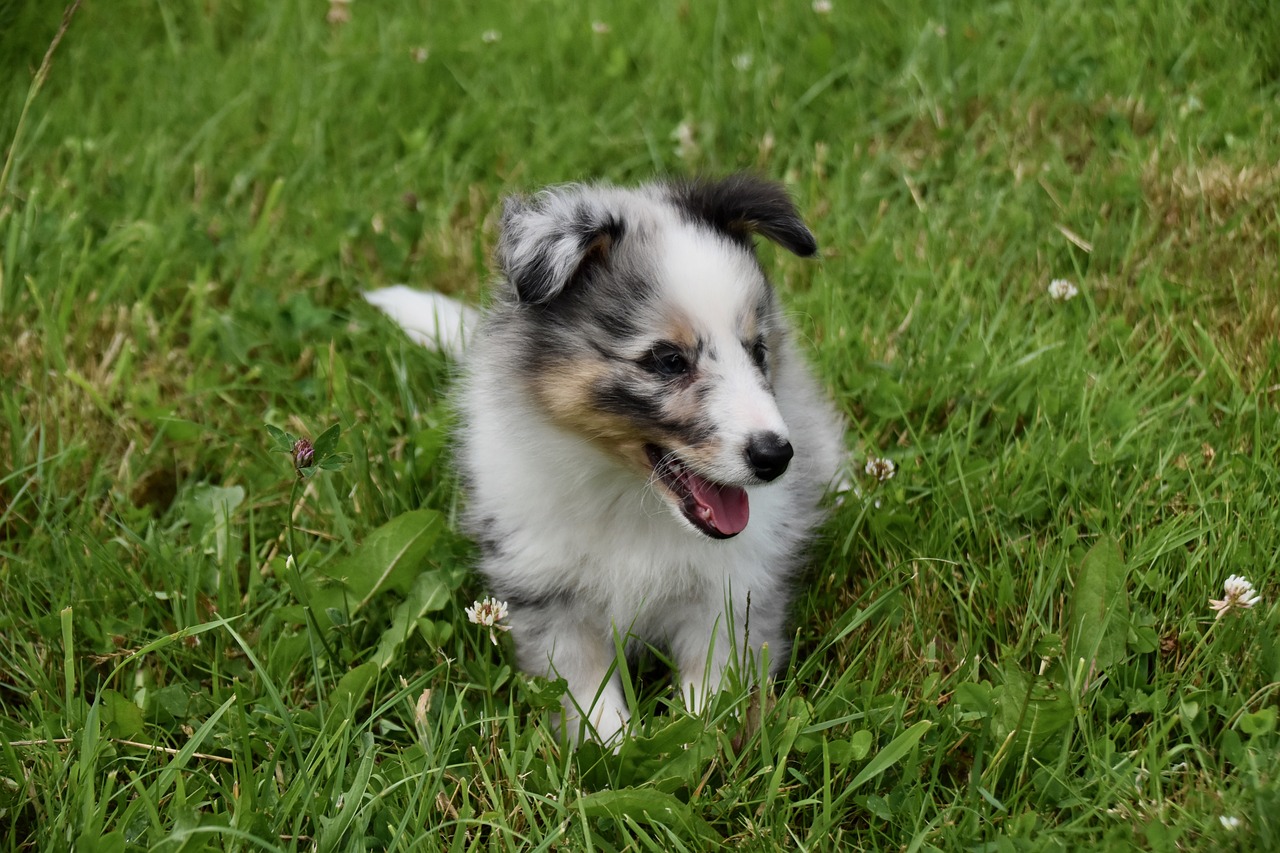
604, 724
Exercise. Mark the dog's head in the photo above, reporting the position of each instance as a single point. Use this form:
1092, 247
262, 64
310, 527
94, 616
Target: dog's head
649, 328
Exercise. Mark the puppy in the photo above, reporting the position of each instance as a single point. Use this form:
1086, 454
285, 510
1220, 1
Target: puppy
644, 449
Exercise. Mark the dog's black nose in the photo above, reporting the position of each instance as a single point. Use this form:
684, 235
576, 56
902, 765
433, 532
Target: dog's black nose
768, 454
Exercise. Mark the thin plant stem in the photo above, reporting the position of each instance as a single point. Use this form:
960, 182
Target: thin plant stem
299, 588
37, 84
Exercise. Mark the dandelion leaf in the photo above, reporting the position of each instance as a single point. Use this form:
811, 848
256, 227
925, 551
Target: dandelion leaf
646, 806
350, 691
390, 558
1028, 709
672, 758
1099, 610
429, 592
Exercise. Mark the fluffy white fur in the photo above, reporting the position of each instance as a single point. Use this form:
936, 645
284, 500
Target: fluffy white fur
430, 319
585, 544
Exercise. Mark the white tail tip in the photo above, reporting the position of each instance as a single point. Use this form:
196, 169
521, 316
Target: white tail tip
430, 319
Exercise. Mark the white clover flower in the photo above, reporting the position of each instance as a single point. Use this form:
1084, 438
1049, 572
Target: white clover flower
488, 613
880, 468
743, 61
1238, 594
1229, 822
490, 36
600, 28
1061, 290
686, 141
822, 7
339, 12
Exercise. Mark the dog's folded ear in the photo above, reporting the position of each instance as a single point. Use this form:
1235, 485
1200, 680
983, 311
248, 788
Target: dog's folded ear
742, 205
550, 241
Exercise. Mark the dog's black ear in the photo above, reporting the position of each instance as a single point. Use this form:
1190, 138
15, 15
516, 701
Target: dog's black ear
551, 241
742, 205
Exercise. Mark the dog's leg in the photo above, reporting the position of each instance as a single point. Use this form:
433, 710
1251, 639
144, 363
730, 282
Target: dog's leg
608, 717
705, 652
562, 647
702, 654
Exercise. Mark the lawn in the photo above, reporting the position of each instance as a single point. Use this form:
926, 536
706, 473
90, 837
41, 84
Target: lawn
1007, 645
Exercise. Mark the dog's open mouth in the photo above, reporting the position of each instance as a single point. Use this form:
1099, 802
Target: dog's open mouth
717, 510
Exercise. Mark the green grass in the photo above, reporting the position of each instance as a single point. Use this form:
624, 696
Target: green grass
200, 192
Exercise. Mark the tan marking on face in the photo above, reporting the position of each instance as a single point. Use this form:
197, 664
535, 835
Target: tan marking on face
566, 395
679, 331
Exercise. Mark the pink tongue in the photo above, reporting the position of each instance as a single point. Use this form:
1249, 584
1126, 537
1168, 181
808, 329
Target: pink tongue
723, 507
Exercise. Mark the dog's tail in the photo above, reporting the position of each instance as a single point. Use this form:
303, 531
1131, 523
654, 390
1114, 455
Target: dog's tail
431, 319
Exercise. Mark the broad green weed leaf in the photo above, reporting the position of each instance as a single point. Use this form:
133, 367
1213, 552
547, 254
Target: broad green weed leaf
390, 558
428, 593
120, 716
1099, 610
436, 632
860, 744
673, 757
351, 691
879, 806
169, 703
891, 754
1261, 723
283, 440
975, 697
645, 805
543, 693
328, 441
687, 763
1143, 639
209, 510
856, 748
683, 729
1028, 707
92, 842
209, 504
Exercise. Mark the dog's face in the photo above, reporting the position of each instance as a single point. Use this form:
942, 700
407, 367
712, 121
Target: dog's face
650, 330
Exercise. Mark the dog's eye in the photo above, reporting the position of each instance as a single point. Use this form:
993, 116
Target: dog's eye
760, 354
666, 360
